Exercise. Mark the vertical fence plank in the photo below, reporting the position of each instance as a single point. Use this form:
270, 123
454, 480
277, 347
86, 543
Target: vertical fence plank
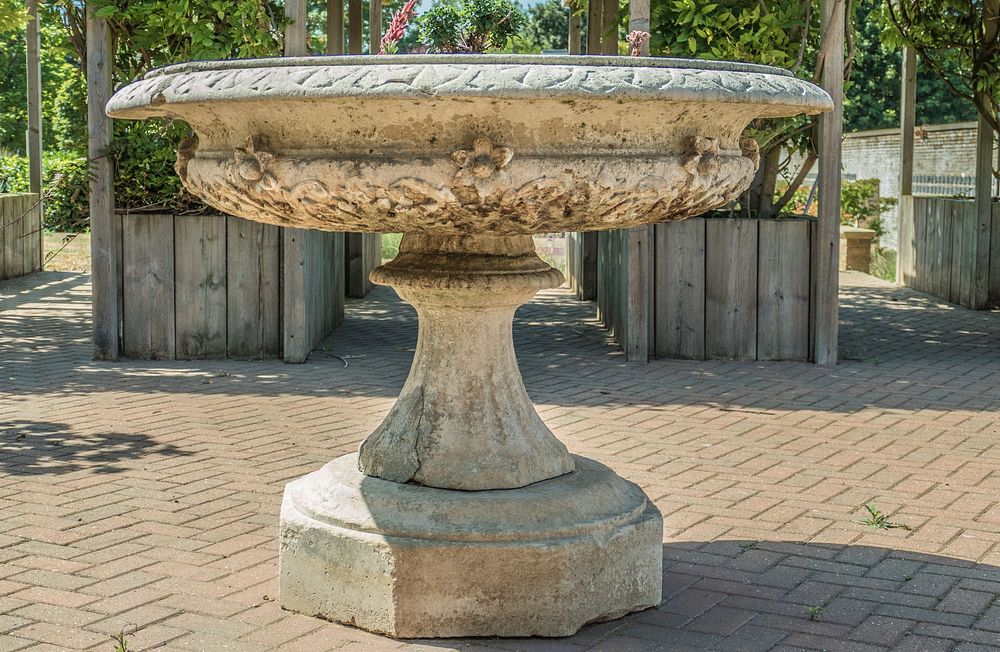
679, 310
968, 270
994, 292
148, 286
253, 304
638, 247
6, 234
904, 254
933, 233
34, 244
957, 257
294, 295
942, 263
783, 290
200, 254
919, 245
731, 289
28, 234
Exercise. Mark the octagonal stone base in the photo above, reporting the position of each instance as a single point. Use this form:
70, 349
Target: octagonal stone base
412, 561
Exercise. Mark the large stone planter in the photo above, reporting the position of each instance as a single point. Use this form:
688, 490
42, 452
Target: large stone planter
463, 514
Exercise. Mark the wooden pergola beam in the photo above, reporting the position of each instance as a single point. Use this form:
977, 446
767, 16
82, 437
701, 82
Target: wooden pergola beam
826, 281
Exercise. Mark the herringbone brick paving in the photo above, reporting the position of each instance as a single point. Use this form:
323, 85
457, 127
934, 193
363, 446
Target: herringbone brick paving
144, 495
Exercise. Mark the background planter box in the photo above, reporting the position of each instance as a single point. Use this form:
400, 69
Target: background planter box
20, 234
731, 289
214, 286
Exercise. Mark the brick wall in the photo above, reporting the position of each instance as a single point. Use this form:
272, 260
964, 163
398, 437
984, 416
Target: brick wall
939, 150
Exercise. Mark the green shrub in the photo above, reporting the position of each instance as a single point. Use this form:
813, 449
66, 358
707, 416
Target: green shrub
66, 185
470, 25
861, 205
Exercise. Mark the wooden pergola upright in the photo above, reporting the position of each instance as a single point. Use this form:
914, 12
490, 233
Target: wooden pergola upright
946, 247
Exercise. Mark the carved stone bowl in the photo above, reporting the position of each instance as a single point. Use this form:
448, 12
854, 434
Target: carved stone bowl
467, 144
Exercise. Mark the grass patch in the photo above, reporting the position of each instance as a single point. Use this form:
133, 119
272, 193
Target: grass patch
878, 520
390, 245
883, 264
66, 252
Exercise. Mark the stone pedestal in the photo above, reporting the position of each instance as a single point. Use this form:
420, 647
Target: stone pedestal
414, 562
463, 515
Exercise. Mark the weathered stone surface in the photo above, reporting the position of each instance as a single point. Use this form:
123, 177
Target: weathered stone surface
413, 561
464, 420
582, 143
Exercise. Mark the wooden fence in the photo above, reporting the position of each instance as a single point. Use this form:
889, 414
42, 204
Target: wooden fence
944, 251
212, 286
732, 289
20, 234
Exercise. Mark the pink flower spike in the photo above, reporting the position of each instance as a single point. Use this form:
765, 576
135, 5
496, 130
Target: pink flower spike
397, 27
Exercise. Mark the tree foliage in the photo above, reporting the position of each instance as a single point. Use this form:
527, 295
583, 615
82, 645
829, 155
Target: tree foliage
784, 33
872, 95
470, 25
547, 26
957, 40
12, 16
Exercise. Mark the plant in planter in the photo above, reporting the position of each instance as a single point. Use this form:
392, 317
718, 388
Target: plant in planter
470, 25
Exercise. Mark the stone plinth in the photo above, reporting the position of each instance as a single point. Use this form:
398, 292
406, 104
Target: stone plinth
856, 248
414, 561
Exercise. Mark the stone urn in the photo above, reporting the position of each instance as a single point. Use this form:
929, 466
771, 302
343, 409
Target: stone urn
462, 514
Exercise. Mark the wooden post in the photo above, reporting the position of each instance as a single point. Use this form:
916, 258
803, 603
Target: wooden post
609, 28
296, 344
574, 44
827, 243
334, 26
34, 76
641, 239
355, 25
984, 207
105, 227
296, 29
907, 120
374, 26
907, 124
638, 20
595, 18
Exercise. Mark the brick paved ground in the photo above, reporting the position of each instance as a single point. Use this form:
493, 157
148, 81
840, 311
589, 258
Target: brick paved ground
145, 495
